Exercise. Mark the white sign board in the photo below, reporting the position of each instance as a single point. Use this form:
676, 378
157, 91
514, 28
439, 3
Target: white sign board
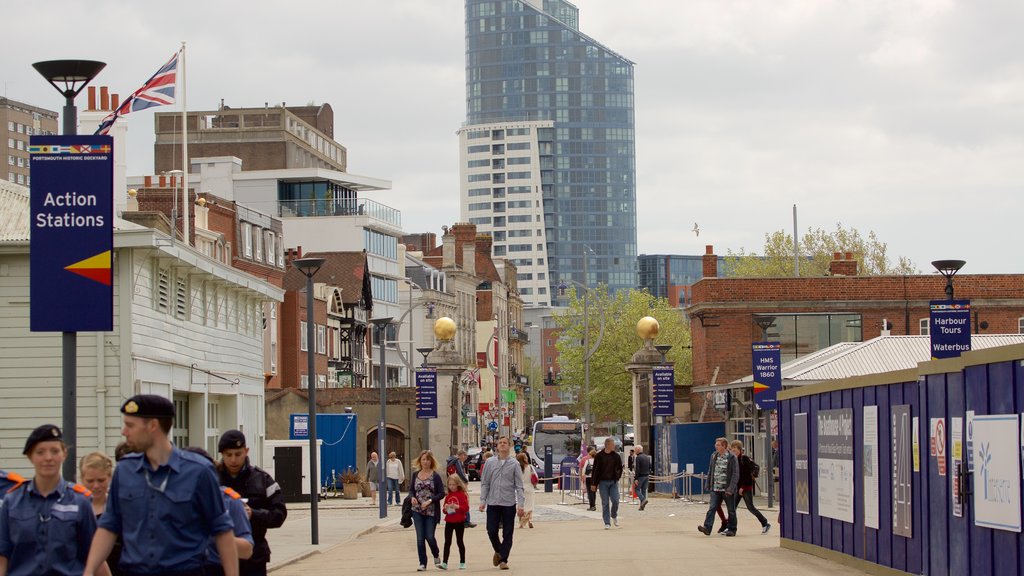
835, 464
997, 472
870, 466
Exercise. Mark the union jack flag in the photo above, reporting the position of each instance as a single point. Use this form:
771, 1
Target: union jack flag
157, 91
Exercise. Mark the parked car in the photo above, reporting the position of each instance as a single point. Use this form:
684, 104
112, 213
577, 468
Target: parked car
599, 442
473, 464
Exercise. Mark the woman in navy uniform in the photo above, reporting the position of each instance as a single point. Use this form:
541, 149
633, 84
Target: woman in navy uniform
47, 524
165, 502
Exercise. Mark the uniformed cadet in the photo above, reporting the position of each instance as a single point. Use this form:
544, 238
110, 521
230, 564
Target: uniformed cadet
47, 524
264, 499
242, 529
165, 502
9, 481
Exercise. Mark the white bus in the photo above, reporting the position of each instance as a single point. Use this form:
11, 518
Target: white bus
561, 433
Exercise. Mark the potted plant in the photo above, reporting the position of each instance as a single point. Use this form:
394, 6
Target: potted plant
350, 484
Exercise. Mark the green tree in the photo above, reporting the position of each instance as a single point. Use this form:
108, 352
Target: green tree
816, 249
611, 396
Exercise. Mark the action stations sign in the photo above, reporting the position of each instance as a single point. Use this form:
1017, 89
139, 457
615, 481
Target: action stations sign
72, 233
949, 327
767, 370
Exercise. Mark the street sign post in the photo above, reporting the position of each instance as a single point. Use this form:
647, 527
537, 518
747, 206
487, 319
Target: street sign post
664, 391
426, 393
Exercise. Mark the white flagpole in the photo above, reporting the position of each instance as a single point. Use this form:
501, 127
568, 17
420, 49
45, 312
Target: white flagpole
186, 207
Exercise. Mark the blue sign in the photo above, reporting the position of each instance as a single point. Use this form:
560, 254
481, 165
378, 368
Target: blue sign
72, 200
300, 427
949, 326
426, 393
767, 370
664, 401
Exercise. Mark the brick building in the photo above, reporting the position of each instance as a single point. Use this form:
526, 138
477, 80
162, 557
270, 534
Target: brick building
808, 314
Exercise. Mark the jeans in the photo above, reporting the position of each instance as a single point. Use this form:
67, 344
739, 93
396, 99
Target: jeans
425, 526
506, 516
591, 494
393, 489
748, 499
641, 487
730, 504
609, 490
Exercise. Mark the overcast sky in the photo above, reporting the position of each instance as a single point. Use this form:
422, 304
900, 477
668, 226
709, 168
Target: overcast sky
902, 117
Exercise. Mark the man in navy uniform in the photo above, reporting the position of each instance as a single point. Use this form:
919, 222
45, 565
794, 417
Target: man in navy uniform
165, 502
264, 499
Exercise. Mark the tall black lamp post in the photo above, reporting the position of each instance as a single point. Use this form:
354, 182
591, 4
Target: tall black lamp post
949, 268
69, 77
309, 267
382, 429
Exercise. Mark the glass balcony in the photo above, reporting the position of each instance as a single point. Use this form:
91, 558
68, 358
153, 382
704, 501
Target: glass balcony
340, 207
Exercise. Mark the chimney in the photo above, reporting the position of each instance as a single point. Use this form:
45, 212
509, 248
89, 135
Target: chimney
842, 264
469, 258
709, 262
448, 250
92, 99
104, 98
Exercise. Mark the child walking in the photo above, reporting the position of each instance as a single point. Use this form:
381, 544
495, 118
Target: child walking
456, 506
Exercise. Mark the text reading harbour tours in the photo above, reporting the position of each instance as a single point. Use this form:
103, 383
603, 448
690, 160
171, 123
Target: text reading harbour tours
70, 219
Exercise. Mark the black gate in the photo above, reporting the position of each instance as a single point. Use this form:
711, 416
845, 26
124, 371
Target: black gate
288, 472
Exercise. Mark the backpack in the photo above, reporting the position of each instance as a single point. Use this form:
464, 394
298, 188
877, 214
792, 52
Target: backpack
755, 469
452, 470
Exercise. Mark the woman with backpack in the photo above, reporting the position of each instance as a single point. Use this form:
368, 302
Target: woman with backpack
748, 471
587, 468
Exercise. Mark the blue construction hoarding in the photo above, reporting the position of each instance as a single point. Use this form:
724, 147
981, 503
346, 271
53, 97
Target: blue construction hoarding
338, 434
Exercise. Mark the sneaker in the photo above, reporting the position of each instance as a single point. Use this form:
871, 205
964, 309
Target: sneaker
422, 568
766, 528
496, 559
607, 526
704, 531
616, 522
723, 528
592, 509
470, 524
730, 533
462, 565
437, 561
503, 566
442, 566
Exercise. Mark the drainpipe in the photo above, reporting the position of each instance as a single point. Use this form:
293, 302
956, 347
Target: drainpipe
101, 395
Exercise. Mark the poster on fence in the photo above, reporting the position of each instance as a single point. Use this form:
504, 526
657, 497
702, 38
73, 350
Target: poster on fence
800, 464
997, 472
835, 464
914, 424
903, 429
956, 435
870, 467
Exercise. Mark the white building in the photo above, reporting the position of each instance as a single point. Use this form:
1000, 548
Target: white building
185, 326
502, 168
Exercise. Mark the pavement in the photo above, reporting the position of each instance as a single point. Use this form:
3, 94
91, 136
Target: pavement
566, 540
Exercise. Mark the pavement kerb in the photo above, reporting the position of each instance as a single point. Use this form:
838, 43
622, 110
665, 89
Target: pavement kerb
310, 553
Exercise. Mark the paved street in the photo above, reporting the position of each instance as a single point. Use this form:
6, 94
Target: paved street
567, 540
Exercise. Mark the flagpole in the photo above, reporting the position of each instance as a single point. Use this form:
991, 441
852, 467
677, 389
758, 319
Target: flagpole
186, 209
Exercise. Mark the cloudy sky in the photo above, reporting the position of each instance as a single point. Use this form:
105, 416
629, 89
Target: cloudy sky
905, 117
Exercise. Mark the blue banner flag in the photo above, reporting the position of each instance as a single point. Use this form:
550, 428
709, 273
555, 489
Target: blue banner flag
426, 393
767, 370
949, 326
663, 401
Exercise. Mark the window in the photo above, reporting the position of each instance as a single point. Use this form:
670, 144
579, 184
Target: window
479, 206
518, 146
478, 148
321, 381
478, 163
258, 240
10, 160
247, 239
321, 339
271, 248
922, 327
1020, 326
303, 382
21, 162
479, 178
304, 335
479, 192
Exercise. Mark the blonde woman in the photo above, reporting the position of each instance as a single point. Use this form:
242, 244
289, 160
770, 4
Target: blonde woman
529, 487
426, 493
95, 471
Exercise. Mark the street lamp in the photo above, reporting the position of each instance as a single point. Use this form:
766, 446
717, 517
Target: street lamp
309, 267
74, 75
949, 268
382, 431
588, 352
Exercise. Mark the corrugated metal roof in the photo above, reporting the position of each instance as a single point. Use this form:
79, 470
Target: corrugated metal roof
14, 212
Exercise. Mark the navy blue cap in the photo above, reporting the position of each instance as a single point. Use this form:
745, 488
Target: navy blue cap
231, 439
44, 433
148, 406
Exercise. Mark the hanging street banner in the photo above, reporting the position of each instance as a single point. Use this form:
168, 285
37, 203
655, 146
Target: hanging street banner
72, 233
835, 464
997, 472
949, 327
767, 371
426, 393
903, 431
664, 400
800, 464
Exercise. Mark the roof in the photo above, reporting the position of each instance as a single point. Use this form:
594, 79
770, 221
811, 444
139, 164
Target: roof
341, 269
14, 212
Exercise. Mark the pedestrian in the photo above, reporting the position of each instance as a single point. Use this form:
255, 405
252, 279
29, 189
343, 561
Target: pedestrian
642, 466
394, 472
261, 496
372, 475
723, 477
457, 465
501, 495
9, 481
630, 460
241, 527
587, 474
426, 492
456, 511
95, 472
529, 487
607, 472
745, 486
46, 524
165, 502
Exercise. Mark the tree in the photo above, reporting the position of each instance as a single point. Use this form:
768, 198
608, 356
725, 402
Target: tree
611, 396
816, 249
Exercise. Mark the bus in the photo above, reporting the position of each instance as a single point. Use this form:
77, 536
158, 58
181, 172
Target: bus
564, 436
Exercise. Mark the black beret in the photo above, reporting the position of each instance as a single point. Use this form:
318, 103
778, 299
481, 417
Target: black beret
231, 439
44, 433
148, 406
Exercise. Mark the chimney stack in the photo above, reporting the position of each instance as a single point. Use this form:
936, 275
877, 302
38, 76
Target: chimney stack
709, 262
842, 264
448, 250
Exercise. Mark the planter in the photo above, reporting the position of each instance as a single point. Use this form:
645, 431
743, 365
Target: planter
350, 491
367, 489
